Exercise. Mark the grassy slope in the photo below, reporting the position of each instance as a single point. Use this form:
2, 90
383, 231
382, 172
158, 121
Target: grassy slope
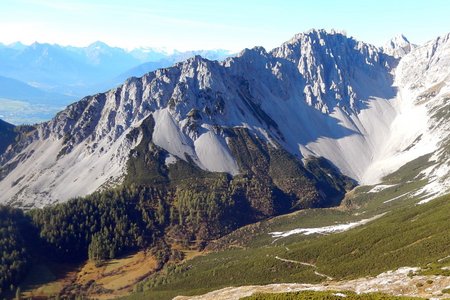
414, 237
407, 235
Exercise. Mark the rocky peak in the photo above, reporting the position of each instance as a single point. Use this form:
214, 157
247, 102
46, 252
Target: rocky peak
98, 45
398, 46
426, 66
333, 66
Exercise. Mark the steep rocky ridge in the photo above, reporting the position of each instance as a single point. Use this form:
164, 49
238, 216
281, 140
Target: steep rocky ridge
319, 94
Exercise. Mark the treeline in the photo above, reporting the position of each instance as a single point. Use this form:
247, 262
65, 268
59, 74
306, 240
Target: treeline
102, 225
110, 223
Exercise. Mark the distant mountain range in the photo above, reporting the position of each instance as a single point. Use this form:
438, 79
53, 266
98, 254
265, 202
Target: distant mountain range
57, 75
18, 90
320, 94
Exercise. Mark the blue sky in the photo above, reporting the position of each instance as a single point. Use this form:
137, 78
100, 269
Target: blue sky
228, 24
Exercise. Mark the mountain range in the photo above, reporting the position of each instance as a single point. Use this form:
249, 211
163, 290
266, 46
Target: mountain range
320, 94
220, 155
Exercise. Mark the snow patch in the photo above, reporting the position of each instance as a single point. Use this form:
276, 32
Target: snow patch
323, 230
340, 295
381, 187
395, 198
438, 184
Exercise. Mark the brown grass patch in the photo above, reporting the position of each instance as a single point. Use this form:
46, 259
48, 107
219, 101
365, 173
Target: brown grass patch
109, 280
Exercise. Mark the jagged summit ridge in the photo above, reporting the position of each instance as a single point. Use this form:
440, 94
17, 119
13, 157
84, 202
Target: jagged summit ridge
319, 94
398, 46
332, 65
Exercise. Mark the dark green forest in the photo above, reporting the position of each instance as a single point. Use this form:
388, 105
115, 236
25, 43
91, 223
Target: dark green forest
15, 253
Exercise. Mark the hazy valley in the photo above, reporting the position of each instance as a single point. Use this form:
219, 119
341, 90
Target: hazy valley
38, 80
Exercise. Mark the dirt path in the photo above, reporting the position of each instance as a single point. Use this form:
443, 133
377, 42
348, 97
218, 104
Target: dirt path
305, 264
